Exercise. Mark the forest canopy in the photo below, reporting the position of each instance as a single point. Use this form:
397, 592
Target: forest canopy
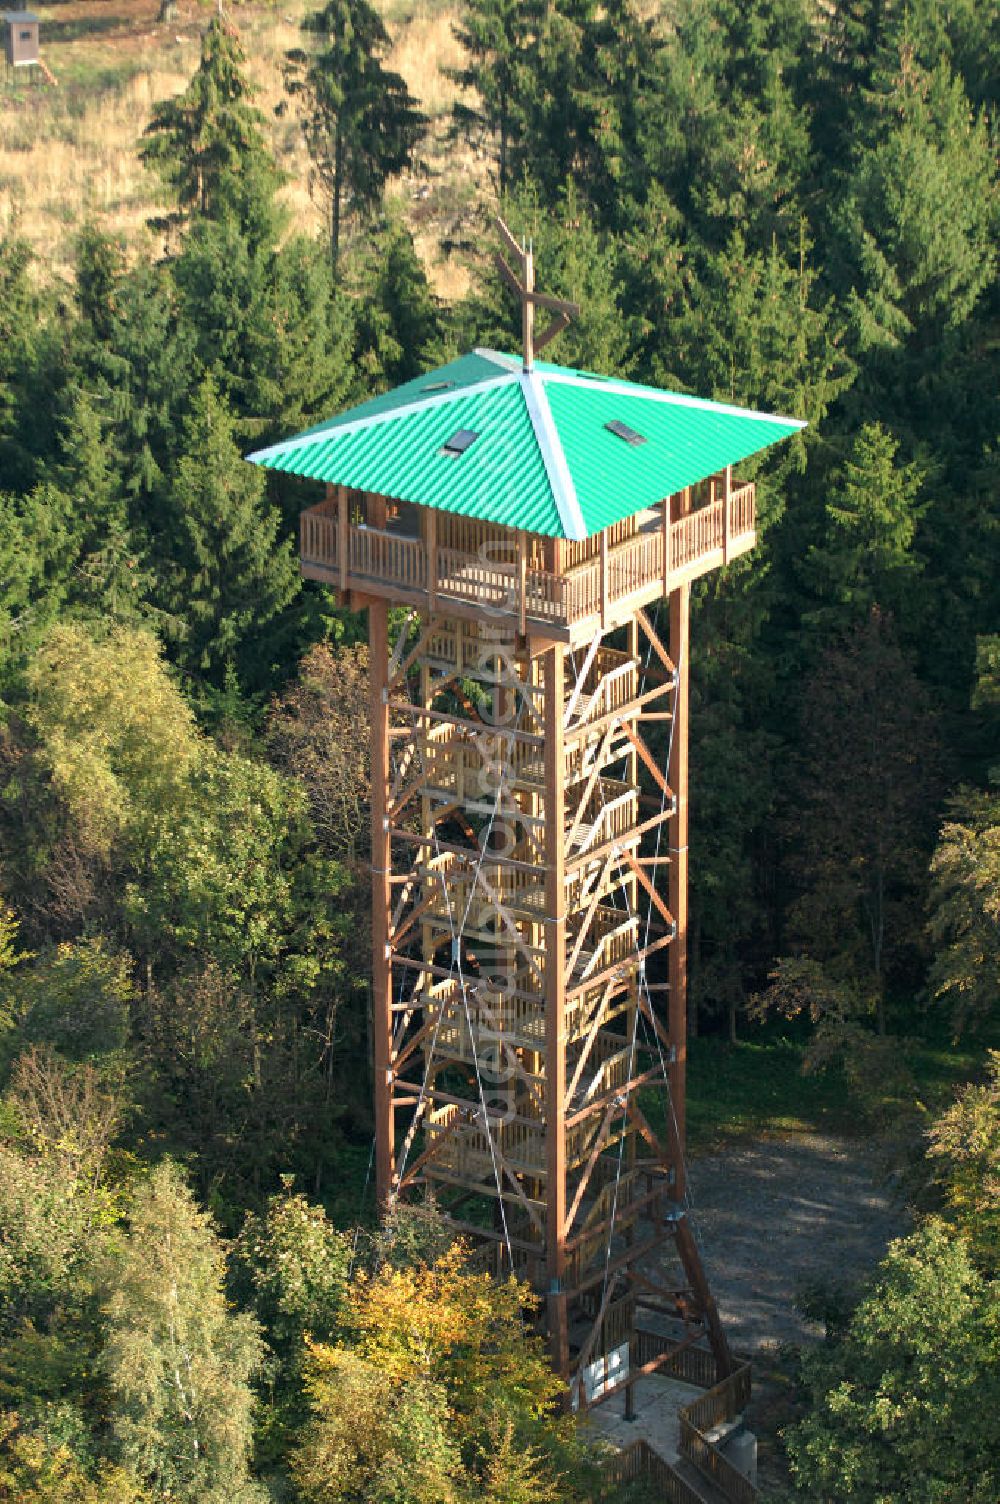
773, 203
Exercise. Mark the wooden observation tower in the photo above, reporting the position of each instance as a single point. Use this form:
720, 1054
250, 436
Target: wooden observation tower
524, 524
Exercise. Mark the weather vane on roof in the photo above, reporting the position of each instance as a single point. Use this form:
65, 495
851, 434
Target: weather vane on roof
530, 299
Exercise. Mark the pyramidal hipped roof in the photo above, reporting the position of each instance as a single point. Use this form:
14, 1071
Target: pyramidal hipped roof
542, 455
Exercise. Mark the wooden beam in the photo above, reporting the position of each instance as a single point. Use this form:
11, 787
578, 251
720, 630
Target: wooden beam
727, 511
378, 637
522, 578
430, 543
343, 534
555, 1007
677, 886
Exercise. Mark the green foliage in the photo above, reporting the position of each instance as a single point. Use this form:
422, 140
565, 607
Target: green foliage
498, 38
178, 1362
725, 130
297, 1264
398, 326
115, 735
34, 1471
75, 997
267, 322
866, 560
965, 910
230, 876
35, 549
905, 1406
361, 123
207, 143
964, 1151
437, 1361
920, 215
867, 776
227, 574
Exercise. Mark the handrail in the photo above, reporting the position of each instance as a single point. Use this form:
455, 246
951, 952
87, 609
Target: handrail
721, 1404
640, 1460
635, 563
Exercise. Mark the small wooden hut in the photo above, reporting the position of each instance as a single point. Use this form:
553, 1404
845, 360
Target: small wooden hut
20, 38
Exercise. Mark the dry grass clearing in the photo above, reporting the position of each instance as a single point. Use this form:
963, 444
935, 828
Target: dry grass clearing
69, 154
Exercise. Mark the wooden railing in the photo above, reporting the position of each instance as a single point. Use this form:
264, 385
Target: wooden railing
388, 556
639, 1460
720, 1405
630, 564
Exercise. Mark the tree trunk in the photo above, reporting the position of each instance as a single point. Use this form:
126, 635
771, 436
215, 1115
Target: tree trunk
338, 175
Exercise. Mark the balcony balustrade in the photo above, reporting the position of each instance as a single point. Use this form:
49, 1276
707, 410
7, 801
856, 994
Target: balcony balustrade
548, 588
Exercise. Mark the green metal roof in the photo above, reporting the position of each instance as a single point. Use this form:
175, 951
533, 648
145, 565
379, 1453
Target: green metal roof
543, 458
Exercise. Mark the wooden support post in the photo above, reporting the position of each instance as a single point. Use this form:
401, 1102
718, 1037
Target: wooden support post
604, 578
666, 546
378, 637
677, 778
430, 546
727, 512
528, 311
376, 510
555, 1005
343, 534
522, 577
687, 1250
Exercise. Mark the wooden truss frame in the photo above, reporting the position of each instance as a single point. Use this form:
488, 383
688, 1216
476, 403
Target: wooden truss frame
521, 820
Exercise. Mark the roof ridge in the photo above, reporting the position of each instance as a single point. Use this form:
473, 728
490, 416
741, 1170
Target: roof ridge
372, 420
511, 363
553, 455
640, 392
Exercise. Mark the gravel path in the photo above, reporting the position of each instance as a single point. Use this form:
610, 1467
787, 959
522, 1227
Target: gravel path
773, 1215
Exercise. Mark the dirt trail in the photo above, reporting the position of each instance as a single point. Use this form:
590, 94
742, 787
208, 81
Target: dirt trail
773, 1215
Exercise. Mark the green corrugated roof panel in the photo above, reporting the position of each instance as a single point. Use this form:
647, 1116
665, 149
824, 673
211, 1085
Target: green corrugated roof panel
543, 458
458, 375
500, 475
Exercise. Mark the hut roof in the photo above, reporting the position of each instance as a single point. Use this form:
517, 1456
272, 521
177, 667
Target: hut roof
555, 451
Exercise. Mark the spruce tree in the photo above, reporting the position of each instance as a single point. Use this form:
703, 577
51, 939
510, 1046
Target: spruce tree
361, 123
398, 324
268, 319
227, 572
920, 220
207, 144
866, 557
499, 39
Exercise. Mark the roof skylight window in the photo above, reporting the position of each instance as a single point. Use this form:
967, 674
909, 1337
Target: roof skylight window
622, 431
460, 441
437, 386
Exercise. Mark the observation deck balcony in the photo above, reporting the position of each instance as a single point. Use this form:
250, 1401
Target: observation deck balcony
366, 546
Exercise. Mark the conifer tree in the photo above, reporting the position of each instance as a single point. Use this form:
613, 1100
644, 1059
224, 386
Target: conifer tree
725, 124
361, 123
920, 220
267, 319
109, 577
398, 325
228, 573
499, 38
866, 558
862, 828
207, 144
593, 67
